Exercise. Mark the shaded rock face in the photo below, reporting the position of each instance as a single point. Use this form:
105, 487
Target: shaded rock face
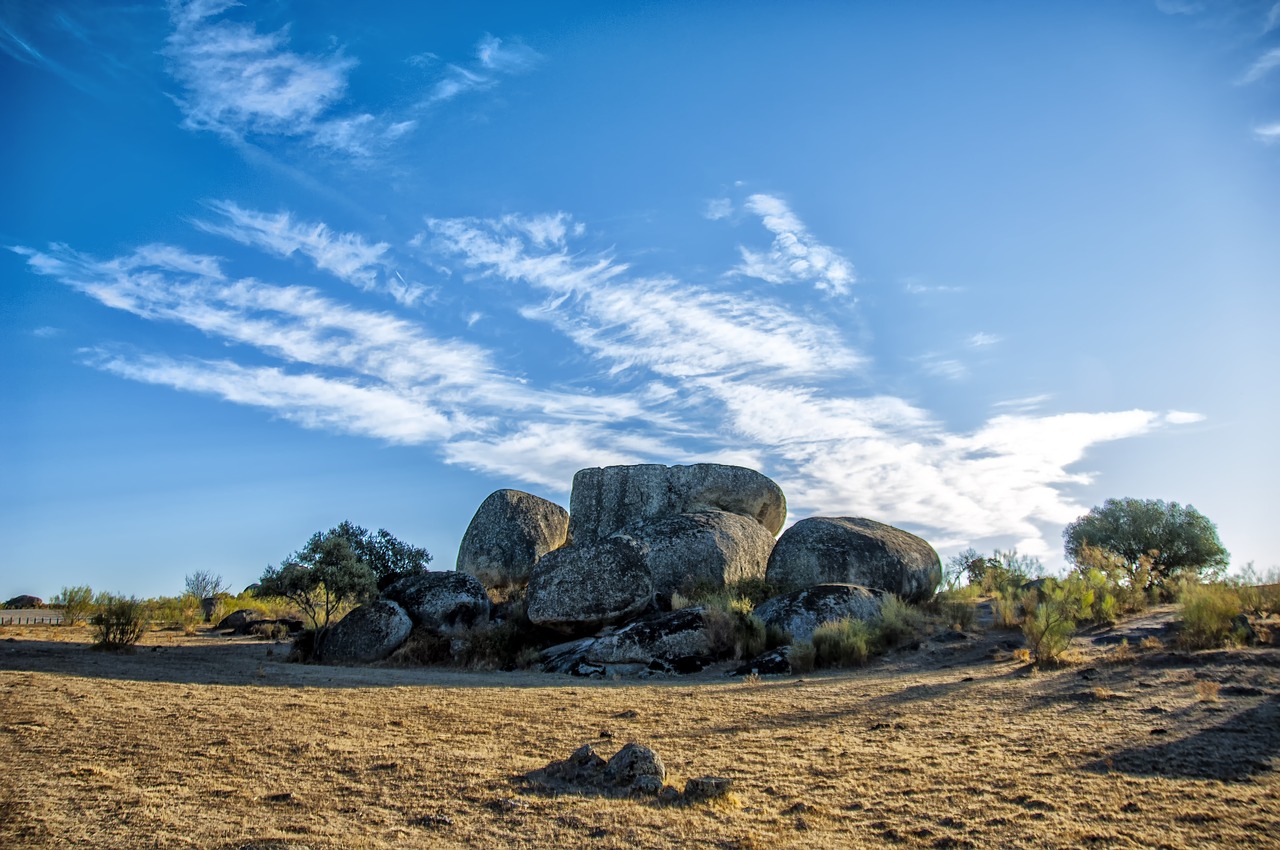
852, 550
510, 531
369, 633
804, 610
610, 498
637, 767
239, 620
708, 547
580, 588
445, 603
668, 643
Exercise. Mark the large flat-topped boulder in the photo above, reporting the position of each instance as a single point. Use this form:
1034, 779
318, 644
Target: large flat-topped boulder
705, 548
510, 531
608, 499
853, 550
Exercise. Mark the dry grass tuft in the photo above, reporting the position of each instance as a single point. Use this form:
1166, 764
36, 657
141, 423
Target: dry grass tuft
1207, 690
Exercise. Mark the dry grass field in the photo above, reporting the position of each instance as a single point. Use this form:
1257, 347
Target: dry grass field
215, 742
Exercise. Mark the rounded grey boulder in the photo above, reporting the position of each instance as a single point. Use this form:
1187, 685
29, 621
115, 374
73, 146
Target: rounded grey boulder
580, 588
802, 611
610, 498
445, 603
637, 767
510, 531
852, 550
707, 547
369, 633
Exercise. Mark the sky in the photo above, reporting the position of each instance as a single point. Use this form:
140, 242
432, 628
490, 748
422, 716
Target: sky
967, 269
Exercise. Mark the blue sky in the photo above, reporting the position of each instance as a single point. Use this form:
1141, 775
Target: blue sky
965, 268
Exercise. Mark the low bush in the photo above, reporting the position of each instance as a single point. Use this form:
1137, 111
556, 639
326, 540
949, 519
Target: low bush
802, 657
959, 614
119, 623
76, 603
1006, 611
842, 643
1049, 628
1208, 616
733, 631
899, 621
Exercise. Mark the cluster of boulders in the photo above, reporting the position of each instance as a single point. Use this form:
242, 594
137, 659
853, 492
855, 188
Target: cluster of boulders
603, 574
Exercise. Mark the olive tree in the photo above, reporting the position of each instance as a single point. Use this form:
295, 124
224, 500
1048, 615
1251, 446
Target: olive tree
1155, 543
320, 578
389, 558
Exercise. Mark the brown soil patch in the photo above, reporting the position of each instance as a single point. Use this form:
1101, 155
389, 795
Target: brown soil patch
212, 742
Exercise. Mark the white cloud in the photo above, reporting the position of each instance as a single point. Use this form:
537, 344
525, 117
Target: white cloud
1273, 19
690, 373
240, 82
795, 256
1025, 404
940, 366
347, 256
46, 332
915, 286
718, 209
1261, 67
981, 340
661, 324
310, 400
1269, 133
493, 58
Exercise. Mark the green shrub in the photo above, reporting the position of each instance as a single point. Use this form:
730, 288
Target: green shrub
1006, 612
120, 622
1049, 628
1208, 616
76, 603
842, 643
802, 657
899, 621
733, 631
776, 636
958, 607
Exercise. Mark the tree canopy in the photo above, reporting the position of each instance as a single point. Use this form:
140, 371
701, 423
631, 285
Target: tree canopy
343, 565
1157, 542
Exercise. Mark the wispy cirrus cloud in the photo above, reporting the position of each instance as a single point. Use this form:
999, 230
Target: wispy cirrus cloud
981, 339
795, 255
1269, 133
493, 59
347, 256
245, 84
676, 372
239, 82
661, 324
1261, 67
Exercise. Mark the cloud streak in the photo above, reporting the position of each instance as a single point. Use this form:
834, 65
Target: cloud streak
795, 255
675, 371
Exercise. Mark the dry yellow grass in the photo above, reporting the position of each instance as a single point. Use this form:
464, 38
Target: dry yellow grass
210, 742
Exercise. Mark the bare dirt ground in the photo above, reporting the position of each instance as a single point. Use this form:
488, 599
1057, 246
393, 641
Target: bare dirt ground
215, 742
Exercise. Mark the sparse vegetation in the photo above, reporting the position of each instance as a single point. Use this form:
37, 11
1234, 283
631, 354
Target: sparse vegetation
76, 603
204, 584
898, 622
1209, 614
842, 643
119, 622
732, 629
